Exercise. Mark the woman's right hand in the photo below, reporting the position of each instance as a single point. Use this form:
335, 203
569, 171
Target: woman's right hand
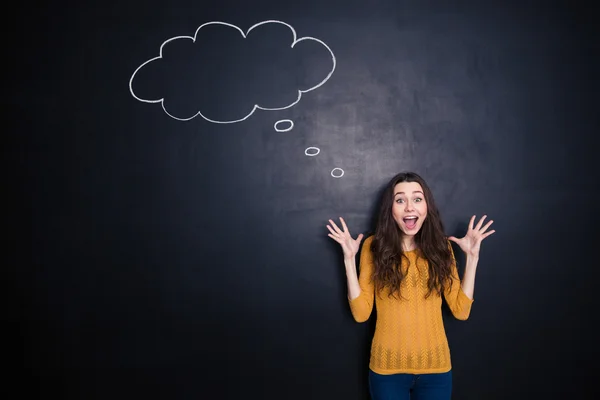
342, 236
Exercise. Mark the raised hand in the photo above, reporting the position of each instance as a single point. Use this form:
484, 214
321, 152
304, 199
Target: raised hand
471, 242
342, 236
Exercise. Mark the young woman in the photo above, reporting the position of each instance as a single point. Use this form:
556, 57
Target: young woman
405, 269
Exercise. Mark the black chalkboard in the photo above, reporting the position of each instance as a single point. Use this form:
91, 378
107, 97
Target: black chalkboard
167, 216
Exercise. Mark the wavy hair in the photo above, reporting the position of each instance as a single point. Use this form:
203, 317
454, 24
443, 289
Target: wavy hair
431, 242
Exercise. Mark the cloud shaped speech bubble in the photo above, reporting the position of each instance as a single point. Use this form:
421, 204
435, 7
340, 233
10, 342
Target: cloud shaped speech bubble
182, 81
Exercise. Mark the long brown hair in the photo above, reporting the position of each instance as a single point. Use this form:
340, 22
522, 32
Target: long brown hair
431, 242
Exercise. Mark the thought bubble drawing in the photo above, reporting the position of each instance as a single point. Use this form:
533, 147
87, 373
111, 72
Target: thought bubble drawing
337, 172
222, 48
312, 151
284, 121
224, 74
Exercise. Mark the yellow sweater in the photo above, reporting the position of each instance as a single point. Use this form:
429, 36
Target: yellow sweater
409, 333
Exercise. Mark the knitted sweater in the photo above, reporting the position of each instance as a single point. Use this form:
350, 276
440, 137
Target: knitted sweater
409, 333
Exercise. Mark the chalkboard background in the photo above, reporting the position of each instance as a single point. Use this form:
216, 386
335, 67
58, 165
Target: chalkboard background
155, 258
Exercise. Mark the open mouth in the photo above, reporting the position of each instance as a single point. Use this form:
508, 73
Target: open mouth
410, 222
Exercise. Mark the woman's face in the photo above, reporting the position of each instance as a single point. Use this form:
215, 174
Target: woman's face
409, 207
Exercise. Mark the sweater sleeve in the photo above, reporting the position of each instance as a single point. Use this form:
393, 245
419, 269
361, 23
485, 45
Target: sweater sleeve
457, 300
362, 306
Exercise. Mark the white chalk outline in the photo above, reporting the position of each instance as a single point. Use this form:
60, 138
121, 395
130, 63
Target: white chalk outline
337, 176
256, 106
284, 130
314, 148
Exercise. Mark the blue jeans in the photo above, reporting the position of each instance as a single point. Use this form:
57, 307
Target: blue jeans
410, 386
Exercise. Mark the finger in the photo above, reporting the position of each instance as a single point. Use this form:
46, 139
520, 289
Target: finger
471, 222
487, 234
452, 238
335, 227
359, 238
332, 231
478, 227
335, 238
344, 225
487, 225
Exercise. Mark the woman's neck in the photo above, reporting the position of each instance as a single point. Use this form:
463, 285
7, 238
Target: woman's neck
408, 244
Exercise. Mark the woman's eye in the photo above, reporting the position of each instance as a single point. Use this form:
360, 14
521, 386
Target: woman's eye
418, 200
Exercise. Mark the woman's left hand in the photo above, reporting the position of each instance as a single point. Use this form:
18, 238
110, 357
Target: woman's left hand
471, 242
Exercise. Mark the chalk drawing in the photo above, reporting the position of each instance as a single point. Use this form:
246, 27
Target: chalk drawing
244, 35
337, 172
283, 121
312, 151
279, 126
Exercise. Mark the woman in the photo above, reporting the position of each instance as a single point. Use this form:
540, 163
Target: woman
405, 269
